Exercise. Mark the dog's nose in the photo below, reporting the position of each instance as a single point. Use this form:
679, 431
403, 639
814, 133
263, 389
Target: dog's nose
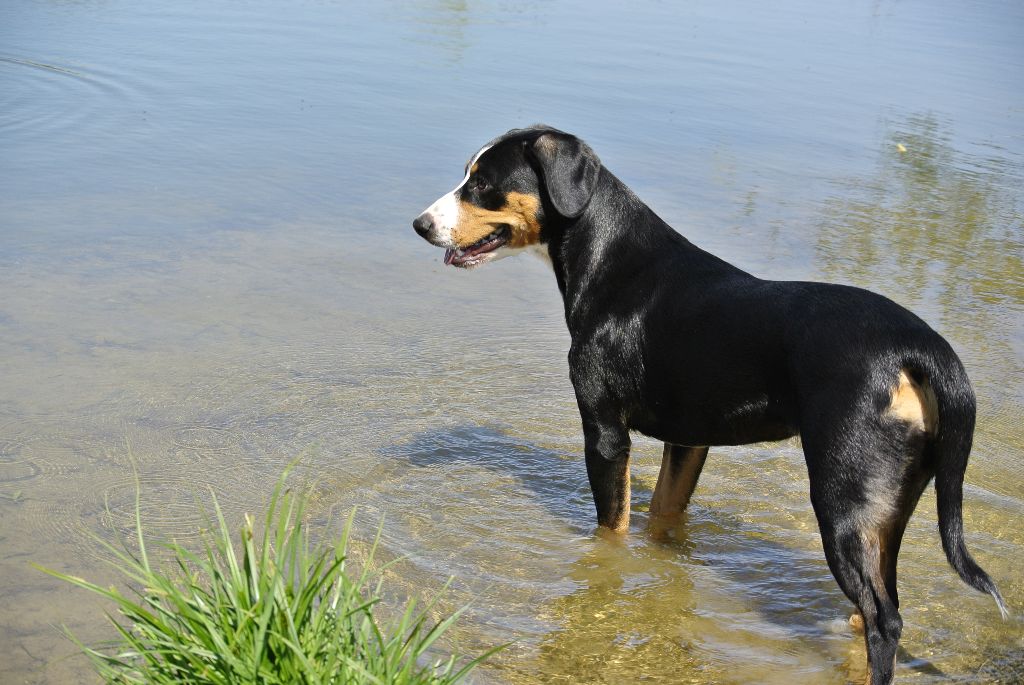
423, 224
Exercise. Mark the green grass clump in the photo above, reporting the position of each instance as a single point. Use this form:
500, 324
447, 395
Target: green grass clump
281, 611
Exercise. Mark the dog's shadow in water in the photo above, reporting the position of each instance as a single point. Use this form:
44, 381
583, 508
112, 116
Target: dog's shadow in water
614, 618
547, 477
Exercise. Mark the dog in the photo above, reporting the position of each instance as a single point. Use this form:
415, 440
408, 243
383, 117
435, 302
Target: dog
677, 344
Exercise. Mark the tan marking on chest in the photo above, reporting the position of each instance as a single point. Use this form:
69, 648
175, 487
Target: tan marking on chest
519, 212
914, 403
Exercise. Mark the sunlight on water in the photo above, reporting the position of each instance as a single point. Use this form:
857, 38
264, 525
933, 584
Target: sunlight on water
207, 271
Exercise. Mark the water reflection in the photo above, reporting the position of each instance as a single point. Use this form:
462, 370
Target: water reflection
615, 626
442, 25
447, 27
934, 227
716, 606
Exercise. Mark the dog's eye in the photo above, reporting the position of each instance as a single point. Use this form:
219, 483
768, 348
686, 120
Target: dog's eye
477, 183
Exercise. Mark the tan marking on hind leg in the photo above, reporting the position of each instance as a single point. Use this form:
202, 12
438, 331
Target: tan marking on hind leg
876, 546
914, 403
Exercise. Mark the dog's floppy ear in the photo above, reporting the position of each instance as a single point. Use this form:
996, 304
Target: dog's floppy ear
569, 169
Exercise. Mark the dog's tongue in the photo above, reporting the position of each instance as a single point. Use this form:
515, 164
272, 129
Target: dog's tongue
452, 256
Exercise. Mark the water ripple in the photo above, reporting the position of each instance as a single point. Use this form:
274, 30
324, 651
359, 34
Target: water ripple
40, 98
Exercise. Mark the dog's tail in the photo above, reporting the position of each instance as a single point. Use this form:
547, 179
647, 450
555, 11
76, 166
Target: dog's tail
951, 446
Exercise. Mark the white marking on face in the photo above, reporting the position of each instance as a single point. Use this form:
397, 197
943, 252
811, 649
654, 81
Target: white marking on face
445, 212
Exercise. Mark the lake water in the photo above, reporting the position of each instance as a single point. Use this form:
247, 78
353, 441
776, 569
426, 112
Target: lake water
207, 270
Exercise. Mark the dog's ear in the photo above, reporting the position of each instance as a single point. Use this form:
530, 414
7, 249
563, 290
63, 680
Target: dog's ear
569, 169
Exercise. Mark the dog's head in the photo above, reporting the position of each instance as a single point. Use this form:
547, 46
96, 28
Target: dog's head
513, 186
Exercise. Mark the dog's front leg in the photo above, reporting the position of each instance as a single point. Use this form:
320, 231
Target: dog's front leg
607, 454
609, 481
605, 435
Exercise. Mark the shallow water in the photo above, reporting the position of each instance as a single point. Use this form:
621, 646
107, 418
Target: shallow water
207, 270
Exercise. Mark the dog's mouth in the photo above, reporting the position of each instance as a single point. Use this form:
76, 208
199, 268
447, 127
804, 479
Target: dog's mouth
477, 253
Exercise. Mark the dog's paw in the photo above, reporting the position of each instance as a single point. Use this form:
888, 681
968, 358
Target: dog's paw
857, 623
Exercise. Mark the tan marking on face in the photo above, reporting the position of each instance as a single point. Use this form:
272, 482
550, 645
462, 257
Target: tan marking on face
914, 403
526, 207
519, 212
474, 169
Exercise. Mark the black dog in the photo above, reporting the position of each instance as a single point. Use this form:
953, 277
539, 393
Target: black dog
673, 342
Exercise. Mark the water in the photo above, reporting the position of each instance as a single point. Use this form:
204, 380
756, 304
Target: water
207, 270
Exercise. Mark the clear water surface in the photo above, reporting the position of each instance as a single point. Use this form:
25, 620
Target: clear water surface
207, 270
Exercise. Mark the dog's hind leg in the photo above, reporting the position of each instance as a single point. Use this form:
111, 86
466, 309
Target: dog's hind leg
854, 555
890, 530
680, 469
865, 484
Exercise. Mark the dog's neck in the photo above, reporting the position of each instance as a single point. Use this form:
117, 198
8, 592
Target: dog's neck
617, 222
